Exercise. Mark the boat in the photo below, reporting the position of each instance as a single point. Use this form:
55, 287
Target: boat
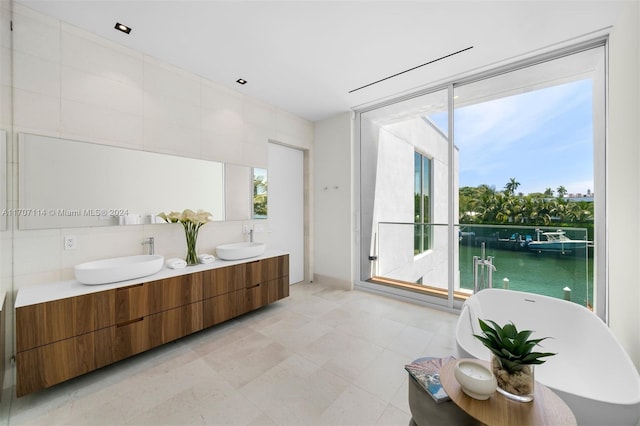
557, 241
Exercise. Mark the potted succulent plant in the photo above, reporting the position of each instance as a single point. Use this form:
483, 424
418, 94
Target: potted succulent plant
512, 358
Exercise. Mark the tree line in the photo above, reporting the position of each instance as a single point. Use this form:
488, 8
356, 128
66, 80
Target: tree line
486, 205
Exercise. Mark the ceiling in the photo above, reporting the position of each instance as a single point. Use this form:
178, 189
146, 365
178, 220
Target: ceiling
307, 56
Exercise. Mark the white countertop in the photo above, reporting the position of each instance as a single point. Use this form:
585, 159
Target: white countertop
47, 292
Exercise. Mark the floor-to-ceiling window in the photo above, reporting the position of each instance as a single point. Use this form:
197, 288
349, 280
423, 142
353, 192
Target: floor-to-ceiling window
517, 169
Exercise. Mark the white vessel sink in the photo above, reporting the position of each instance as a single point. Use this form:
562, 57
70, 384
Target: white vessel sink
236, 251
118, 269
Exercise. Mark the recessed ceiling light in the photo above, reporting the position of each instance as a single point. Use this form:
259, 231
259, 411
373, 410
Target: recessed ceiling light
123, 28
241, 81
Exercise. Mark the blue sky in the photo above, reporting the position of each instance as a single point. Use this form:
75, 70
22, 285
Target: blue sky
542, 138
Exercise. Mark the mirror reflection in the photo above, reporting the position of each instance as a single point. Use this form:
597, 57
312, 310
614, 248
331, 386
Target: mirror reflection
259, 193
237, 183
65, 183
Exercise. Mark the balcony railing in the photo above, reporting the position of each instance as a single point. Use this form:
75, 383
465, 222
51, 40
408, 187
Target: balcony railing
542, 260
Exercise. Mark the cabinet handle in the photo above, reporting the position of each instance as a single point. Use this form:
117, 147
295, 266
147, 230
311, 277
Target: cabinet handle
130, 286
122, 324
255, 286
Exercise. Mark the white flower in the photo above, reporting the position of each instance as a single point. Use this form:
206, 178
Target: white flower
187, 216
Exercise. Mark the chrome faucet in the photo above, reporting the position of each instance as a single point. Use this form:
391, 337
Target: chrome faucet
151, 242
251, 235
483, 269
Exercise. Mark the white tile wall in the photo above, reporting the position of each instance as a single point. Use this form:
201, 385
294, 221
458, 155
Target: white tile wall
6, 108
160, 136
100, 90
36, 112
35, 34
259, 113
217, 97
171, 111
35, 74
84, 51
171, 82
222, 147
5, 66
82, 121
36, 251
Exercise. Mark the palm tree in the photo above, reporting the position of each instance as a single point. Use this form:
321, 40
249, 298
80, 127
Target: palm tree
581, 211
511, 186
561, 191
548, 192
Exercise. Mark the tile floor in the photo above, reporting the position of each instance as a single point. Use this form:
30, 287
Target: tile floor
320, 357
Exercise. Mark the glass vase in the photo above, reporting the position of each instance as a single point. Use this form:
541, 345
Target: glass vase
191, 234
518, 385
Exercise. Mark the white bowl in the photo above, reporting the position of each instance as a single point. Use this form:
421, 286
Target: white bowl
475, 379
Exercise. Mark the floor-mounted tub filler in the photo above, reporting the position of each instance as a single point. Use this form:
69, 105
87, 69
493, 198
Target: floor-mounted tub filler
591, 371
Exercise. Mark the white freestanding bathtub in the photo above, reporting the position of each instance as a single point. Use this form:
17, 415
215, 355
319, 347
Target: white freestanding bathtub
591, 371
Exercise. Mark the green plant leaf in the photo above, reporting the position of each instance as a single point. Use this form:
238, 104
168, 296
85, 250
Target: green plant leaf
523, 335
510, 331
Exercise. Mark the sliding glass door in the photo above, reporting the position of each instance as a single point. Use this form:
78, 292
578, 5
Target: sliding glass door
507, 166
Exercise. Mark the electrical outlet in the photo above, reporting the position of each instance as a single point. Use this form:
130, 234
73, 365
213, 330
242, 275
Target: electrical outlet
70, 242
245, 229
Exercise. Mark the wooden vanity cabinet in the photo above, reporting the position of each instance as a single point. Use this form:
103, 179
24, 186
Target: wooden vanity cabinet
64, 338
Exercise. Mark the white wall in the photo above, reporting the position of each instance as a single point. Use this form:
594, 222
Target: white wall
623, 180
70, 83
332, 212
394, 202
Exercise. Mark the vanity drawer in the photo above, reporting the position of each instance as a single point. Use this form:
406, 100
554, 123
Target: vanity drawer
45, 366
256, 296
131, 338
266, 293
132, 302
216, 282
224, 307
275, 267
174, 292
49, 322
182, 321
253, 273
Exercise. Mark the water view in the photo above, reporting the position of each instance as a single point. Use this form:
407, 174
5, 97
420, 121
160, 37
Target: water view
546, 273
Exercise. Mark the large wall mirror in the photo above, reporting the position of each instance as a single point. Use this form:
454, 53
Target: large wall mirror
65, 183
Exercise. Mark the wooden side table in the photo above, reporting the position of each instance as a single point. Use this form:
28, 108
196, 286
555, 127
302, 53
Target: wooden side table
546, 408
